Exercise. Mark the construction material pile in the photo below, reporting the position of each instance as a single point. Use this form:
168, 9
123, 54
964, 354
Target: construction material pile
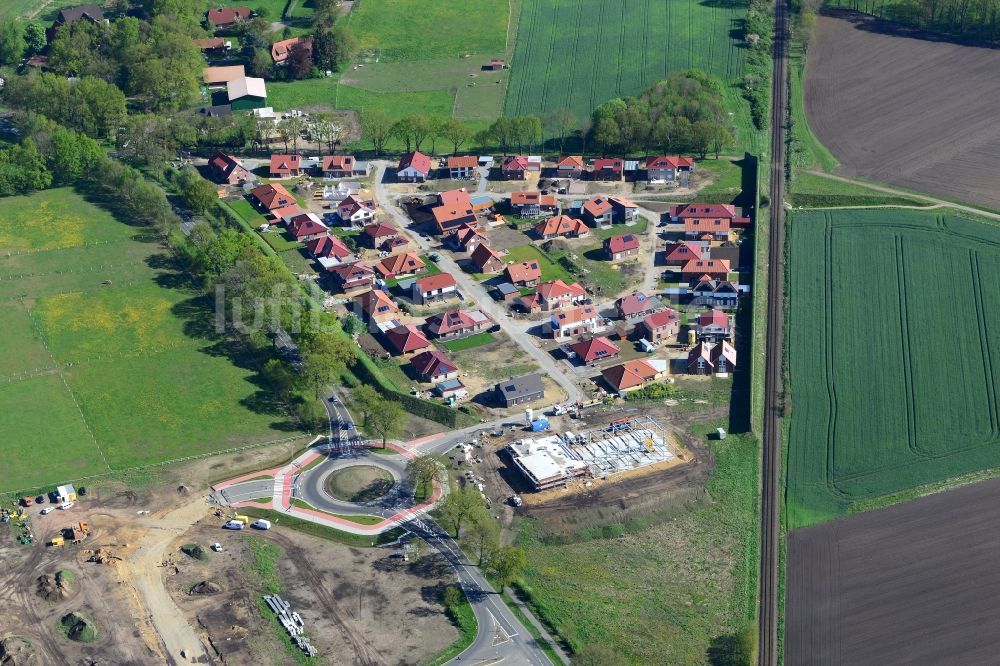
292, 622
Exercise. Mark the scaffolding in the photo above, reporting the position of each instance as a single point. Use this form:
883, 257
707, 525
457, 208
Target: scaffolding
624, 444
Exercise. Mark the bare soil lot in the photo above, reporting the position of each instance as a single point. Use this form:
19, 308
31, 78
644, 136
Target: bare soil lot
911, 584
906, 111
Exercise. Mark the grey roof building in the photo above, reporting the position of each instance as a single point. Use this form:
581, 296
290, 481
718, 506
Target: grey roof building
520, 390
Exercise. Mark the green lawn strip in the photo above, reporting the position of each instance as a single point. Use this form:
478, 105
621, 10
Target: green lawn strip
813, 190
21, 348
279, 519
469, 342
605, 585
544, 644
807, 151
263, 500
262, 573
281, 242
296, 94
465, 621
44, 438
618, 229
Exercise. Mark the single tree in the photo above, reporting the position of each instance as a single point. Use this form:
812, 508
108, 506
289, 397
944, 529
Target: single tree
12, 43
507, 563
456, 132
387, 421
458, 505
377, 128
560, 123
423, 471
34, 38
295, 125
483, 536
366, 400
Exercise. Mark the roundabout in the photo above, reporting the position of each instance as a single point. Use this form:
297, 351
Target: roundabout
356, 482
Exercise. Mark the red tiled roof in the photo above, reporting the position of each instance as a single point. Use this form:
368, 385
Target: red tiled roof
571, 161
594, 349
285, 164
400, 264
515, 163
597, 206
483, 254
455, 205
562, 225
713, 317
379, 230
417, 160
528, 198
407, 338
623, 202
609, 163
576, 315
622, 243
376, 301
661, 319
328, 246
706, 267
281, 50
433, 282
636, 303
558, 288
526, 271
210, 43
683, 251
306, 224
433, 364
351, 272
338, 162
454, 321
669, 162
462, 162
629, 374
286, 212
466, 233
273, 195
227, 15
693, 210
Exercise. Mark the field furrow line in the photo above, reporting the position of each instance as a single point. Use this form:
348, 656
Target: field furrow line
621, 51
568, 101
593, 82
645, 41
831, 389
907, 360
984, 341
548, 60
666, 31
690, 31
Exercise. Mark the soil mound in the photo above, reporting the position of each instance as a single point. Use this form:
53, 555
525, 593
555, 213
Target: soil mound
78, 628
17, 651
206, 587
56, 587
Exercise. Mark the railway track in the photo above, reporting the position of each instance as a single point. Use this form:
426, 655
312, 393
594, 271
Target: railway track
771, 453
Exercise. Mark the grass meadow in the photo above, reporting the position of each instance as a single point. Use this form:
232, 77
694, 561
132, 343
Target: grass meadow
577, 54
41, 10
893, 323
550, 269
659, 589
110, 375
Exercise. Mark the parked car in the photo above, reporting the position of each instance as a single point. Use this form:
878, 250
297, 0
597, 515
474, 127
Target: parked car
217, 547
67, 505
46, 510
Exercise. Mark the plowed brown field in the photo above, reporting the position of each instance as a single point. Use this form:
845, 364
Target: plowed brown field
916, 583
908, 111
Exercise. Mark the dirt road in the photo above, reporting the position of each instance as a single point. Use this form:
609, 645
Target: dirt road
144, 572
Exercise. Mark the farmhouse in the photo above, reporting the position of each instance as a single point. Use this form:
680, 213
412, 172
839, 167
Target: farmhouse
532, 204
227, 17
570, 166
457, 323
377, 306
608, 169
246, 93
707, 221
520, 390
581, 320
413, 168
637, 306
659, 326
406, 339
595, 350
714, 326
462, 167
227, 169
514, 167
286, 166
328, 250
666, 168
557, 294
715, 268
523, 274
280, 51
352, 277
355, 212
272, 196
433, 287
621, 247
400, 265
561, 226
433, 366
69, 15
486, 260
633, 375
454, 211
715, 293
220, 76
306, 227
597, 211
343, 166
377, 235
545, 463
678, 254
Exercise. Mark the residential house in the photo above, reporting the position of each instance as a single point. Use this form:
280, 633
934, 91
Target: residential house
699, 361
714, 326
378, 234
514, 167
678, 254
532, 204
623, 211
467, 237
451, 388
328, 250
281, 51
621, 247
306, 227
739, 256
211, 44
608, 168
637, 306
454, 211
285, 213
595, 350
715, 293
633, 375
666, 167
377, 306
227, 17
534, 163
598, 212
495, 65
343, 166
570, 166
246, 93
724, 358
714, 268
272, 196
400, 265
89, 12
505, 292
286, 166
520, 390
432, 287
582, 320
227, 169
486, 260
462, 167
659, 326
218, 77
457, 323
406, 339
557, 294
352, 277
523, 274
433, 366
707, 221
355, 212
413, 168
562, 226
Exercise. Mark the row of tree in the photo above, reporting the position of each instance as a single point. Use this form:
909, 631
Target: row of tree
975, 20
